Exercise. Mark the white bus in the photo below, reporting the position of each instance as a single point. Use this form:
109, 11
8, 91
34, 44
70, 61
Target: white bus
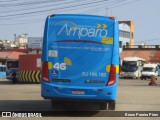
132, 67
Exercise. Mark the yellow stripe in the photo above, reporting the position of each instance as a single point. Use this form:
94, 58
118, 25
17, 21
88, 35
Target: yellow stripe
109, 66
117, 68
26, 75
37, 76
23, 76
50, 65
29, 76
33, 76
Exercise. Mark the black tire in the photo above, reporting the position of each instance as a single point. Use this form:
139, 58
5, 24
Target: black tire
103, 106
111, 105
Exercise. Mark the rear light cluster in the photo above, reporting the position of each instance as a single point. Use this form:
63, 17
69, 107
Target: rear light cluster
45, 76
112, 76
112, 18
52, 15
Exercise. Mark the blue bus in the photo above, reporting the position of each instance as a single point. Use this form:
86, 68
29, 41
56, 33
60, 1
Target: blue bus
12, 65
80, 59
3, 71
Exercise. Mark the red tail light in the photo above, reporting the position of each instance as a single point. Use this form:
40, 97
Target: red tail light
112, 18
52, 15
45, 72
112, 76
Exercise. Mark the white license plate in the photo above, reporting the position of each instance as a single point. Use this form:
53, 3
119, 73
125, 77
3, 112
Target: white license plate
77, 92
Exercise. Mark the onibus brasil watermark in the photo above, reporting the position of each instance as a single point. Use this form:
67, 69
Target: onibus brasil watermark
21, 114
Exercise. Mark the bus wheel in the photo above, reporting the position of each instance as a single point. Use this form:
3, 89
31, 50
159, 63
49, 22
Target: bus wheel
103, 106
111, 105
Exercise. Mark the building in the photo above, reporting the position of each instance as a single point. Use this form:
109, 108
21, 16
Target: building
126, 34
35, 45
30, 72
21, 41
150, 53
5, 43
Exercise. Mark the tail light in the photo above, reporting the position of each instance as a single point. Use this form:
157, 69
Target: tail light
52, 15
45, 76
112, 76
112, 18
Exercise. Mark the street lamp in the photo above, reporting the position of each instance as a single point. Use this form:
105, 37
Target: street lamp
25, 39
25, 35
15, 37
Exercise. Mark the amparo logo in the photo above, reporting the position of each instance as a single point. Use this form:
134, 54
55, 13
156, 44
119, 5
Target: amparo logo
68, 28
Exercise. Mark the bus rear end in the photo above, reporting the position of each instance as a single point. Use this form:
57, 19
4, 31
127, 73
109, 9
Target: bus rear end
80, 59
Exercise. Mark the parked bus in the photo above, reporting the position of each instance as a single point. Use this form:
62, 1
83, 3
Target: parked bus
2, 71
132, 67
80, 59
12, 65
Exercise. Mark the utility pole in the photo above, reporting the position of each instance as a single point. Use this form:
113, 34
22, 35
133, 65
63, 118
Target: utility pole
106, 11
26, 39
15, 37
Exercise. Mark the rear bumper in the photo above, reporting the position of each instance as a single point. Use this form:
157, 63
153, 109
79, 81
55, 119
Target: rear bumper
129, 76
77, 99
60, 92
146, 77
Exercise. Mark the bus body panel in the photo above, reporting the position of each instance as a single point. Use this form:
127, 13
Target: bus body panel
3, 71
80, 50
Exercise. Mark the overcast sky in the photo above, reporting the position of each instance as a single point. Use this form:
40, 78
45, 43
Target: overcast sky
28, 17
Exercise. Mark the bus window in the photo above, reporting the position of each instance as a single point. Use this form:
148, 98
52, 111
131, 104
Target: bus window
12, 64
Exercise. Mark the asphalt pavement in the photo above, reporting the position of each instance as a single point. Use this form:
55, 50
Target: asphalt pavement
132, 95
